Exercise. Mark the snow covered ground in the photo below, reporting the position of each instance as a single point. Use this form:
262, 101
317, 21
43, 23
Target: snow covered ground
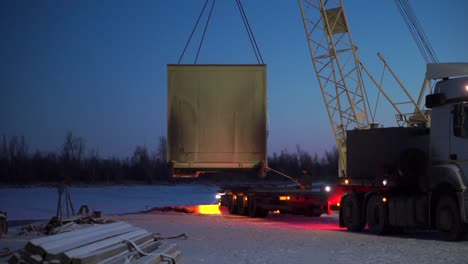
41, 202
226, 238
293, 239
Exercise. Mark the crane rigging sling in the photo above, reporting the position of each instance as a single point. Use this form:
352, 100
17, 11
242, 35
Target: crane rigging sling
247, 26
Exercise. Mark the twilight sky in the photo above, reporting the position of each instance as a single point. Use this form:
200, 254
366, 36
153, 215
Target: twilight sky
98, 68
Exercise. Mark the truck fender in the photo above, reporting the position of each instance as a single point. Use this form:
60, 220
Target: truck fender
448, 174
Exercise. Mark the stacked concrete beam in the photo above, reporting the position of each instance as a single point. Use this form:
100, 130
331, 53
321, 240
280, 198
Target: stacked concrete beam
107, 243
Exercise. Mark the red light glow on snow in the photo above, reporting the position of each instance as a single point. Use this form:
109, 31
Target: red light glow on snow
307, 225
322, 226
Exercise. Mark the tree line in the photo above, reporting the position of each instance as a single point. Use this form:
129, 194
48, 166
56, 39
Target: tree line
147, 166
70, 163
300, 161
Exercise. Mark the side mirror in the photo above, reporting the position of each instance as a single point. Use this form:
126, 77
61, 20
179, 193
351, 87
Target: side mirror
433, 100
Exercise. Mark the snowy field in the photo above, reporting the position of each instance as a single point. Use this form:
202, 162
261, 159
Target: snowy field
41, 202
293, 239
224, 238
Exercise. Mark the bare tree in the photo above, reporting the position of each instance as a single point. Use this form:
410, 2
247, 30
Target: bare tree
17, 148
4, 160
162, 149
73, 147
304, 158
17, 158
4, 149
93, 163
142, 163
72, 153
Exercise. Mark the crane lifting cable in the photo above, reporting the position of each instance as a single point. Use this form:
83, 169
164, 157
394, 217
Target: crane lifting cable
195, 28
407, 12
245, 20
253, 42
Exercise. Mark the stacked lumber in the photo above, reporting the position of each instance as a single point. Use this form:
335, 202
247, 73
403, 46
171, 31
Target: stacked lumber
118, 242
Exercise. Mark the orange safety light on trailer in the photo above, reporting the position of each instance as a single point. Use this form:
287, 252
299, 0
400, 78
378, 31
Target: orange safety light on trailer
209, 209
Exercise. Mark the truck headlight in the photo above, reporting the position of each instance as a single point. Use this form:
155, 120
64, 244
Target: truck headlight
327, 188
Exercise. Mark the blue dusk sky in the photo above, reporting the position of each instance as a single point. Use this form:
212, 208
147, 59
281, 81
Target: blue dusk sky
98, 68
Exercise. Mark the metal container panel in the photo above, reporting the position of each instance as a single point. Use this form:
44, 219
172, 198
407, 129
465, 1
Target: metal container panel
217, 117
372, 153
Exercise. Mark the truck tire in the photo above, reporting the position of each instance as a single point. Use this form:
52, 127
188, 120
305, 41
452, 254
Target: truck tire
448, 219
351, 212
376, 216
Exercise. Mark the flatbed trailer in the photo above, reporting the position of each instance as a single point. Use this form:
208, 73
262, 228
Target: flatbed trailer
259, 201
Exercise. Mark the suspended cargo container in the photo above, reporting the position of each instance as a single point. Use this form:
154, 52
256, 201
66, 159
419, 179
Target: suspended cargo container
217, 119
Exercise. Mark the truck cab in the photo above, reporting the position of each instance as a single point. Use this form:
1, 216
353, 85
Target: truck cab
449, 138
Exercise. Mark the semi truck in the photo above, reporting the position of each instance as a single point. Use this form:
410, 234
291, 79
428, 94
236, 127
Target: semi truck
410, 176
413, 177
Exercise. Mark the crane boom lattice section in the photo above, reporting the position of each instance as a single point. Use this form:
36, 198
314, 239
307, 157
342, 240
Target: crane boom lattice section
337, 68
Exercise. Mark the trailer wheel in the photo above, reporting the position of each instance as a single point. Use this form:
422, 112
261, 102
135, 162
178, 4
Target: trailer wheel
255, 211
351, 212
376, 216
232, 205
261, 212
448, 219
313, 211
240, 206
252, 208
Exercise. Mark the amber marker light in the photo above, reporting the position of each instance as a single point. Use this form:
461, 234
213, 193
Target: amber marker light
346, 181
384, 199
